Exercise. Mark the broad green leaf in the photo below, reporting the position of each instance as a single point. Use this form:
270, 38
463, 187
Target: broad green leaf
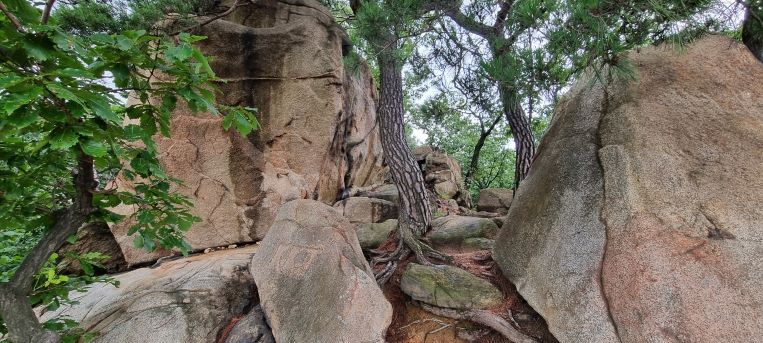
9, 81
124, 43
62, 139
99, 105
243, 126
62, 92
228, 120
203, 61
94, 148
40, 48
146, 216
140, 165
133, 132
179, 53
13, 102
149, 245
72, 72
102, 38
24, 10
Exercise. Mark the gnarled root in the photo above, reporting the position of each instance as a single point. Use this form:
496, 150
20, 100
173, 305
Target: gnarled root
485, 318
407, 243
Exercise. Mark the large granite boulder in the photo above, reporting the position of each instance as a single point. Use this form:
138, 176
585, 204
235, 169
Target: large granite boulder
313, 281
640, 220
317, 132
187, 300
385, 191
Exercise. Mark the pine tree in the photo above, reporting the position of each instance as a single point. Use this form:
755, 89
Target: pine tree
382, 23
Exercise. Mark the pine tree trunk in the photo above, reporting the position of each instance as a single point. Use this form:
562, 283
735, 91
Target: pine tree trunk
752, 28
414, 209
520, 130
414, 199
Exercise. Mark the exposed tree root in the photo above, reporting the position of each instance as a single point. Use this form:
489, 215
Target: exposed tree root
485, 318
407, 243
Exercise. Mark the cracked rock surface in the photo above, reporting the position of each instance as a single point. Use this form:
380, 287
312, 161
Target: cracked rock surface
313, 281
640, 220
187, 300
317, 133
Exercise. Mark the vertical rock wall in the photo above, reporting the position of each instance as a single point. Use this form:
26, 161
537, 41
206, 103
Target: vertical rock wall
317, 133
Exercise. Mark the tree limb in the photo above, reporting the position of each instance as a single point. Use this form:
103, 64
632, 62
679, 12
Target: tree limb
15, 308
452, 10
46, 12
67, 224
208, 20
503, 13
15, 21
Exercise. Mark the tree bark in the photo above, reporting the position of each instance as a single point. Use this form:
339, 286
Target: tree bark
752, 28
15, 309
414, 199
415, 214
520, 130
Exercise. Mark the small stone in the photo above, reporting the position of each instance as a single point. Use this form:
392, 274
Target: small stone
385, 192
496, 200
232, 246
252, 328
366, 210
455, 229
447, 286
371, 235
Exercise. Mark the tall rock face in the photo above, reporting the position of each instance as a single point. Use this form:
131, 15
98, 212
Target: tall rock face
641, 219
317, 134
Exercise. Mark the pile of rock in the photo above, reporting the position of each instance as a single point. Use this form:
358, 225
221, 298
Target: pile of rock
443, 176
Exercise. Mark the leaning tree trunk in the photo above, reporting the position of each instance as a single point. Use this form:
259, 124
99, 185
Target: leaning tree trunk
752, 28
15, 308
520, 130
414, 199
475, 160
414, 205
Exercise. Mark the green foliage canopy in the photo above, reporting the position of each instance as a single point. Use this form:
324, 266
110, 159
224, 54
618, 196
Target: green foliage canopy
62, 97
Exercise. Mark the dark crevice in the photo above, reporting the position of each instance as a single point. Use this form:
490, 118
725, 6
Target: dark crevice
605, 109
